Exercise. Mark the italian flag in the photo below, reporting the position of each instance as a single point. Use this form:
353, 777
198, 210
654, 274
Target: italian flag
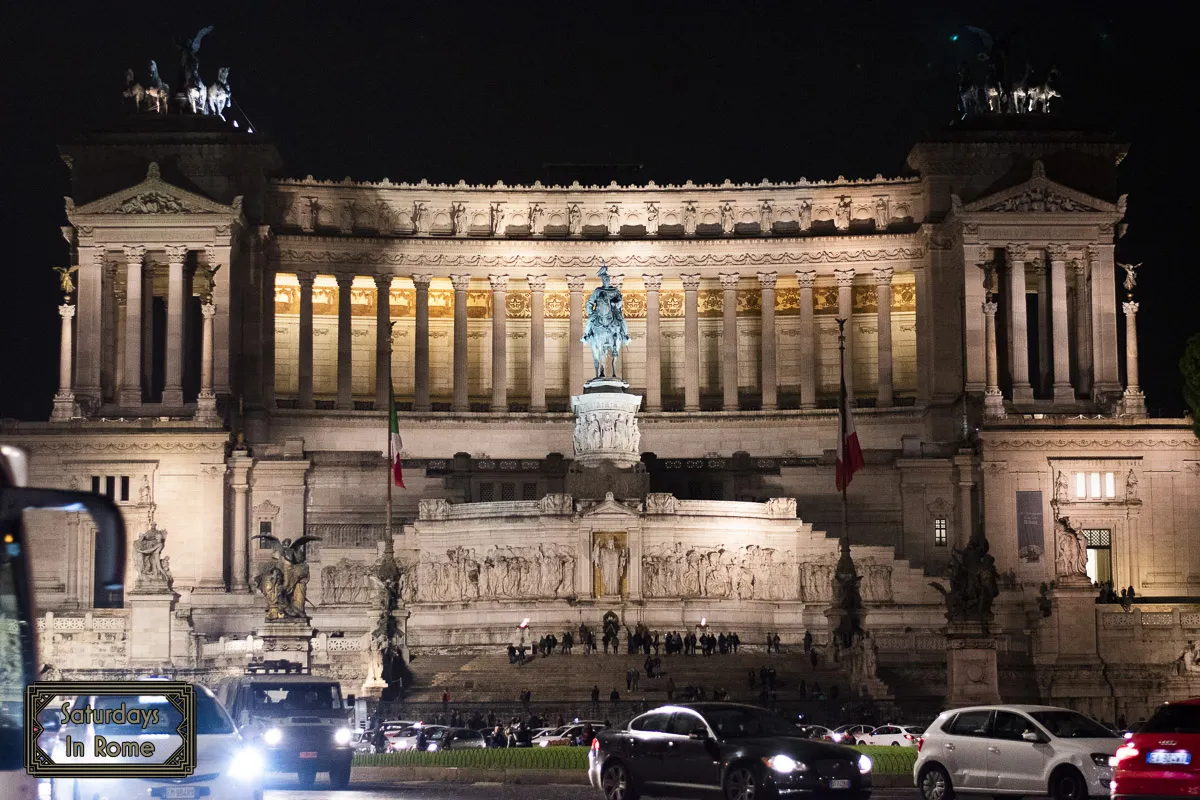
395, 445
849, 454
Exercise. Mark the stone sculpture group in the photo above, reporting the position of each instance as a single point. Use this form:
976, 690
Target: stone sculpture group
193, 94
746, 573
500, 573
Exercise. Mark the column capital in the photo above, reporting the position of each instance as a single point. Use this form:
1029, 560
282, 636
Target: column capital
576, 282
176, 253
845, 277
986, 253
990, 308
420, 281
537, 283
1080, 266
691, 283
1057, 252
384, 282
133, 252
66, 310
884, 275
1016, 252
1091, 252
1130, 308
305, 278
652, 282
499, 283
767, 280
209, 310
344, 280
461, 282
617, 279
729, 280
806, 278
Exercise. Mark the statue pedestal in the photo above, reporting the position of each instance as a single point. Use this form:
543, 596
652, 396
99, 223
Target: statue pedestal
970, 664
607, 443
150, 624
65, 408
289, 641
1071, 623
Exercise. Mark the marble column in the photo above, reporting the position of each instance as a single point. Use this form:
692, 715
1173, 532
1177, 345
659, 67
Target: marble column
729, 343
883, 303
119, 306
1018, 326
268, 355
173, 387
807, 354
240, 468
89, 301
421, 345
345, 344
966, 483
537, 342
462, 400
304, 360
1045, 355
691, 343
1106, 381
206, 403
64, 399
1063, 391
383, 341
499, 284
845, 284
993, 401
108, 332
1133, 401
770, 372
653, 343
1083, 327
922, 287
147, 329
131, 388
575, 371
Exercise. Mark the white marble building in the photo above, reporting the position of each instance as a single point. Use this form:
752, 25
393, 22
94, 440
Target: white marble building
217, 301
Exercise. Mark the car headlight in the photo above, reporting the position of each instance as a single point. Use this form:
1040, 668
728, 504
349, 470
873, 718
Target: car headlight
864, 764
544, 743
432, 747
785, 764
343, 736
1100, 759
247, 765
273, 736
837, 737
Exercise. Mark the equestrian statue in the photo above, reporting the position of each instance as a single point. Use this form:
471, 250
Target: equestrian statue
605, 332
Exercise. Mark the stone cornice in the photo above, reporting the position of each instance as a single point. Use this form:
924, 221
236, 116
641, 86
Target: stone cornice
594, 189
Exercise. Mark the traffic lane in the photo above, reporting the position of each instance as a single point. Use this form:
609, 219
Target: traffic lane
283, 790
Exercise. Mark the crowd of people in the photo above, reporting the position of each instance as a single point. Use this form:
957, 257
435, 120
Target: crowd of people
639, 639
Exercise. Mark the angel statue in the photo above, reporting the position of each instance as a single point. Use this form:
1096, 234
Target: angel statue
65, 280
1130, 277
284, 579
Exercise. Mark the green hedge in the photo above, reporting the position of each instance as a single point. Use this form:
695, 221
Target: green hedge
887, 760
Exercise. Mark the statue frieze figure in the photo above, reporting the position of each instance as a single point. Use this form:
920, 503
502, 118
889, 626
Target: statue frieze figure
605, 332
152, 566
284, 579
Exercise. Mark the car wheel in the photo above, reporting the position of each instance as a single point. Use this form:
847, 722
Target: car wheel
742, 783
306, 778
339, 775
616, 783
935, 783
1067, 784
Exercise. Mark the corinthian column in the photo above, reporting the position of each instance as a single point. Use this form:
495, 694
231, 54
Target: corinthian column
1018, 326
653, 344
1134, 401
537, 342
499, 285
89, 301
808, 359
173, 388
131, 388
770, 376
383, 341
575, 334
1063, 391
64, 400
691, 343
239, 463
304, 355
729, 344
993, 401
1083, 327
845, 283
883, 303
206, 403
345, 345
461, 396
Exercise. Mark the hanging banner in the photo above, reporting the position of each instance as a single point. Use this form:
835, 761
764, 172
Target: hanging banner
1031, 542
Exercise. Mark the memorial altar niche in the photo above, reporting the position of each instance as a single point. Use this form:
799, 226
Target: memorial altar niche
610, 564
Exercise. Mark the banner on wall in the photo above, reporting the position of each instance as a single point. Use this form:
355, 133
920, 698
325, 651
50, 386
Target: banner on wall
1031, 542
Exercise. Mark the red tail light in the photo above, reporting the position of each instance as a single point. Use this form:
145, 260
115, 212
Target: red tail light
920, 743
1124, 753
909, 736
596, 745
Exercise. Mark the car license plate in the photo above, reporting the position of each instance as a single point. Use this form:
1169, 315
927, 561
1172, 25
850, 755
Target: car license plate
179, 792
839, 783
308, 754
1168, 757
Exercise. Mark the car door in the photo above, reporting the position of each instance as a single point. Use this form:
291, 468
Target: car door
1014, 764
688, 761
645, 746
965, 749
882, 736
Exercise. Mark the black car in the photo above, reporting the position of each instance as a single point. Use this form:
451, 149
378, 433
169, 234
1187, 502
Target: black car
736, 751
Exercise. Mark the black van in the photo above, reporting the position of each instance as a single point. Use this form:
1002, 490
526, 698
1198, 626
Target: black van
301, 720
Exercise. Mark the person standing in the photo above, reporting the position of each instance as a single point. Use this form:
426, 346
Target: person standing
596, 699
808, 640
614, 697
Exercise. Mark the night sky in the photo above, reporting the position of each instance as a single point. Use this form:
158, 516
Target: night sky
595, 91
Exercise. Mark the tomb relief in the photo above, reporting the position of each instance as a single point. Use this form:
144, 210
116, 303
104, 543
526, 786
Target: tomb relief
747, 573
499, 573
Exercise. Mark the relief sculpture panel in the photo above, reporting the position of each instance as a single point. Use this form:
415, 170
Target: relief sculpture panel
499, 573
746, 573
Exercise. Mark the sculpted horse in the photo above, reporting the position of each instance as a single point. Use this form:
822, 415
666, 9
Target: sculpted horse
1019, 100
219, 94
968, 92
133, 90
158, 91
606, 331
1041, 93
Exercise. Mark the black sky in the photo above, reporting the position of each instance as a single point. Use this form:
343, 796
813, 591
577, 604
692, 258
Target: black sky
654, 91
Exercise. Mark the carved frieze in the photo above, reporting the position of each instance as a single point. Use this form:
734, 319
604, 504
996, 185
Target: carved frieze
498, 573
746, 573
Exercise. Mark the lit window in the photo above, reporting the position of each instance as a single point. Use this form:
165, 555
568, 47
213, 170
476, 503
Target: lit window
1095, 487
1080, 485
1110, 485
939, 532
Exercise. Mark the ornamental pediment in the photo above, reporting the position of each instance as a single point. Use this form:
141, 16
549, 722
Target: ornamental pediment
1037, 195
610, 506
153, 196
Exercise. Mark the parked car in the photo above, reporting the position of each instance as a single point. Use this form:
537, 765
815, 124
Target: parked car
819, 732
569, 735
893, 736
1014, 750
415, 738
723, 749
364, 743
456, 739
1160, 758
849, 734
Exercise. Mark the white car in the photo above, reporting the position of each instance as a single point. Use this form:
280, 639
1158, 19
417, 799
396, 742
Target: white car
893, 736
849, 734
226, 766
1014, 750
566, 736
407, 738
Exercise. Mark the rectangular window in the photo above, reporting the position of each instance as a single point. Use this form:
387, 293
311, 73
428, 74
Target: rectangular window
508, 492
939, 532
529, 491
1080, 485
487, 492
1099, 554
1110, 485
110, 486
1095, 486
124, 488
264, 529
95, 484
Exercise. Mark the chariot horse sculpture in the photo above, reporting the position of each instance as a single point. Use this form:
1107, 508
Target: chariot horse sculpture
606, 331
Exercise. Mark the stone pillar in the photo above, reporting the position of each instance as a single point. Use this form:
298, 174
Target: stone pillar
1134, 402
304, 360
845, 284
1063, 391
108, 333
421, 345
537, 342
691, 343
1018, 325
65, 407
147, 329
883, 302
1083, 327
575, 370
119, 306
461, 396
268, 355
499, 284
925, 349
345, 344
173, 386
383, 341
770, 373
239, 464
729, 343
993, 401
206, 403
131, 388
1105, 376
653, 344
89, 323
966, 482
1045, 356
808, 332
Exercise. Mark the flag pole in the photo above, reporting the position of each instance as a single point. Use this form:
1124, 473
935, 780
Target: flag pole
844, 545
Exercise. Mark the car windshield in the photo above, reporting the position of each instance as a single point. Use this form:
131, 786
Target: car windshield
1173, 719
210, 717
290, 698
741, 723
1071, 725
